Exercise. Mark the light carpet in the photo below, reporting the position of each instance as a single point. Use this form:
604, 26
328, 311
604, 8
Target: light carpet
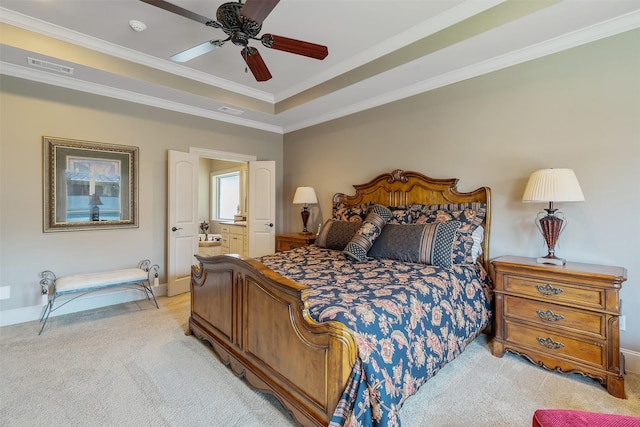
132, 365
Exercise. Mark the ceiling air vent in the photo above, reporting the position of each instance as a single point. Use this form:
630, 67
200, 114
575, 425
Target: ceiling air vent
230, 110
50, 66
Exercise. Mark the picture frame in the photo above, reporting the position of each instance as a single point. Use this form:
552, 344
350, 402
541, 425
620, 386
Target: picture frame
89, 185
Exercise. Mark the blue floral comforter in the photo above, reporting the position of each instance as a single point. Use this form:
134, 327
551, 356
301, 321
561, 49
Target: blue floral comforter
409, 321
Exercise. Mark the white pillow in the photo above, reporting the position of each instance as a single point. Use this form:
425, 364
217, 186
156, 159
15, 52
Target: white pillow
477, 236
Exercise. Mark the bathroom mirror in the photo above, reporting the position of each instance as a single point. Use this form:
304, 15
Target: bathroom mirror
89, 185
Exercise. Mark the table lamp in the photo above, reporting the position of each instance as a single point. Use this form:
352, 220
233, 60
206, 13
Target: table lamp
305, 195
552, 185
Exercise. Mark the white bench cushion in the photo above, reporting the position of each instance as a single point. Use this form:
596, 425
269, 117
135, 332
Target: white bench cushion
95, 280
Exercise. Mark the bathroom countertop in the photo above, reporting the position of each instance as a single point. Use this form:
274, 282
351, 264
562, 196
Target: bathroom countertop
239, 223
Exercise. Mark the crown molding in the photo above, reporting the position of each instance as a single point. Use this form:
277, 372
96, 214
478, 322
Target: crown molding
125, 95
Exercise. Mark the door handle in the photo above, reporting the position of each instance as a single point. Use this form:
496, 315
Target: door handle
270, 225
175, 229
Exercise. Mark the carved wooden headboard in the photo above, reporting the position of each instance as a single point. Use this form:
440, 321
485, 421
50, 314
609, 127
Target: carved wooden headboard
400, 188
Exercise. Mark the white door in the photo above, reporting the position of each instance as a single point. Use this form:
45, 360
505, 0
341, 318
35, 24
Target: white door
262, 208
183, 220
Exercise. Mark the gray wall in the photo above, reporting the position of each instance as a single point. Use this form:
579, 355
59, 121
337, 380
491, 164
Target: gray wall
32, 110
578, 109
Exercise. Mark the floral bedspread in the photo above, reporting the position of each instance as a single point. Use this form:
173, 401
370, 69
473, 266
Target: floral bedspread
409, 321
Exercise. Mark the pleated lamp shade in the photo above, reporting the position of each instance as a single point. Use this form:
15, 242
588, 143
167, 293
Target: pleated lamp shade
553, 185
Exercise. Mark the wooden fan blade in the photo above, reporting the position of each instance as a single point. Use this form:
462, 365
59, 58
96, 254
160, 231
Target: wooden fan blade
298, 47
256, 64
180, 11
194, 52
258, 10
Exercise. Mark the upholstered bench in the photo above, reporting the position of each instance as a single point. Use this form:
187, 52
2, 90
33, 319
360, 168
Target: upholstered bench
571, 418
81, 284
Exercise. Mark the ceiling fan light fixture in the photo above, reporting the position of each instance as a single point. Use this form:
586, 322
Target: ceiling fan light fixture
239, 38
137, 26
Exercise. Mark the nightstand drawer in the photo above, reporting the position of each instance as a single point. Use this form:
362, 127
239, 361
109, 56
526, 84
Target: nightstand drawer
286, 242
555, 344
552, 291
551, 316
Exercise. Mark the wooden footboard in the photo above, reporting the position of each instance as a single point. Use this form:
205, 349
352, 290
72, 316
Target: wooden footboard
257, 323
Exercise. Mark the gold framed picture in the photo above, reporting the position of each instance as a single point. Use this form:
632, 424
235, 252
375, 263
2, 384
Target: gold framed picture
89, 185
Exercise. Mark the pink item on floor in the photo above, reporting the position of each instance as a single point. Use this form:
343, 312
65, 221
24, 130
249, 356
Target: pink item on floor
571, 418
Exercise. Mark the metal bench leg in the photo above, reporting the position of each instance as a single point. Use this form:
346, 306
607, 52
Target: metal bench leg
44, 323
45, 309
154, 298
45, 314
149, 291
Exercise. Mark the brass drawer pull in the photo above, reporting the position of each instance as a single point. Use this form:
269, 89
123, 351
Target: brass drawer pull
549, 343
549, 316
548, 290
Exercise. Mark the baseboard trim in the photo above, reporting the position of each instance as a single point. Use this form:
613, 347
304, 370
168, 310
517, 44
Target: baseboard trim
631, 361
98, 299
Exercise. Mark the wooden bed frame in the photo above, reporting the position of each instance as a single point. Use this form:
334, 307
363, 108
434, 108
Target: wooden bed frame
257, 322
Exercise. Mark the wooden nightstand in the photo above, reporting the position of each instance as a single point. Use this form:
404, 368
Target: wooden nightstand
285, 242
563, 318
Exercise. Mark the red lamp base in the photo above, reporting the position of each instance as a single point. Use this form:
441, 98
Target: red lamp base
305, 218
551, 225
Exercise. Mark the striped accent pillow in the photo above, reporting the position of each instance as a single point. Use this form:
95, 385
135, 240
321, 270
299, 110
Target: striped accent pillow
430, 244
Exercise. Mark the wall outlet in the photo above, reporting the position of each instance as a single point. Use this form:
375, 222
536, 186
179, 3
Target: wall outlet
623, 322
5, 292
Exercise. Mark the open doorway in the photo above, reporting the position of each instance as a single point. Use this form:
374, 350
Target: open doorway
229, 225
222, 192
183, 220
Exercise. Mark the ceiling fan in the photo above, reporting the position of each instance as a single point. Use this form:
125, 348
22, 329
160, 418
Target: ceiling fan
242, 23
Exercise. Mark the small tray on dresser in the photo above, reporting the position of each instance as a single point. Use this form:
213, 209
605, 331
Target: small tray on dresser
563, 318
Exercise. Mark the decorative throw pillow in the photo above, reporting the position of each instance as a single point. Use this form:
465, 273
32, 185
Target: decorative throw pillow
335, 234
368, 232
400, 215
343, 212
479, 209
466, 247
420, 243
470, 215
